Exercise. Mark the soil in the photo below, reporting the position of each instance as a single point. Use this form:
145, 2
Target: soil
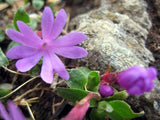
44, 106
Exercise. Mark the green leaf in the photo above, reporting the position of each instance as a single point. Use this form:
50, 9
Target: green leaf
26, 1
122, 111
5, 88
2, 37
78, 78
51, 5
93, 81
115, 110
4, 92
35, 70
33, 24
38, 4
9, 26
100, 112
104, 106
3, 59
97, 115
12, 44
22, 16
122, 95
9, 2
74, 95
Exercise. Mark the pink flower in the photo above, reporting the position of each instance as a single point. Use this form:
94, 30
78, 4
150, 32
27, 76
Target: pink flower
14, 112
79, 111
34, 48
137, 80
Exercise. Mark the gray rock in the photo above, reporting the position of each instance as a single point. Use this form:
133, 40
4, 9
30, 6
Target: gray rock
116, 34
135, 9
114, 37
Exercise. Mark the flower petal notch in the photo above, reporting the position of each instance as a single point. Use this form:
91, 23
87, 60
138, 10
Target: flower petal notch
137, 80
47, 47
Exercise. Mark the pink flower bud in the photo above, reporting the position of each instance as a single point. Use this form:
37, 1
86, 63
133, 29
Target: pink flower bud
109, 78
79, 111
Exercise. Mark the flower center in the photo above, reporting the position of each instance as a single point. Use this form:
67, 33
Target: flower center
47, 46
44, 45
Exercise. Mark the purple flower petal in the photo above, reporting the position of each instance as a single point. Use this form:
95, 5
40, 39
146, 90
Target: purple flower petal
15, 111
70, 39
20, 51
72, 52
149, 87
4, 113
16, 36
59, 67
26, 64
20, 38
137, 80
30, 37
127, 78
47, 22
135, 91
58, 25
152, 73
47, 70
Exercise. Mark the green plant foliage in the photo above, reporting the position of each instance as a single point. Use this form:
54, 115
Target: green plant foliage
115, 110
2, 37
3, 59
122, 95
4, 92
12, 44
100, 112
9, 26
34, 19
35, 70
93, 81
38, 4
22, 16
122, 111
75, 95
78, 78
26, 1
33, 24
51, 5
97, 115
9, 1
